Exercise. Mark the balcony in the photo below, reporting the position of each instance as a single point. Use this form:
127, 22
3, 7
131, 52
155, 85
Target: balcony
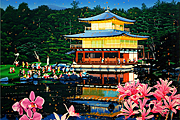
78, 46
106, 28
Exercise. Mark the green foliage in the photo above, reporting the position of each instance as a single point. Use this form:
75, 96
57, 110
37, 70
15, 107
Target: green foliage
42, 29
75, 4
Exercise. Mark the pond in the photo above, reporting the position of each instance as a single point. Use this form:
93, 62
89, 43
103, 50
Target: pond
94, 97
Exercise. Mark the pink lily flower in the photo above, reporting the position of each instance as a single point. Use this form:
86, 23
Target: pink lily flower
135, 98
39, 101
178, 107
173, 91
128, 89
158, 95
144, 114
143, 103
129, 110
71, 111
62, 117
158, 108
36, 116
170, 104
144, 90
17, 107
164, 86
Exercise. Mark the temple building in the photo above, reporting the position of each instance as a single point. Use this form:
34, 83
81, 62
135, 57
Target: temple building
106, 42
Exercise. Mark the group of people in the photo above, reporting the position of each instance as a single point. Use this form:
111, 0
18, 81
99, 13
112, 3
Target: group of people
126, 61
121, 61
46, 72
42, 71
12, 70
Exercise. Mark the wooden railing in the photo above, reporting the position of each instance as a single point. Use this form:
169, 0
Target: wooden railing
107, 46
106, 60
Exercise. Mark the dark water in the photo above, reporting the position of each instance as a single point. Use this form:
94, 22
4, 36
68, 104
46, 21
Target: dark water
55, 94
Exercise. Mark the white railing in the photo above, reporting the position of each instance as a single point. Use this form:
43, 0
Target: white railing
108, 28
106, 46
75, 45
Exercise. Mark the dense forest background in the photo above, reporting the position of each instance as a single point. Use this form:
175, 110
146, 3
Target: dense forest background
24, 31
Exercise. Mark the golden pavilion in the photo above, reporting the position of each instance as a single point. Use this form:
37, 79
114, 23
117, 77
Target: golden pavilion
106, 42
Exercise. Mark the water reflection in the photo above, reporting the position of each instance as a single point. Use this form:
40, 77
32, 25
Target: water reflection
100, 88
104, 92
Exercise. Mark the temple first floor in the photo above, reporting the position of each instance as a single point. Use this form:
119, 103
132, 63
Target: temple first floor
106, 56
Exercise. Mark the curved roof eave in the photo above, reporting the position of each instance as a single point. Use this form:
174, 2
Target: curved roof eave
106, 15
137, 36
94, 34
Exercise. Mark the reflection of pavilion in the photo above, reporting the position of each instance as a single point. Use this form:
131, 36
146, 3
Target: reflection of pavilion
110, 79
107, 41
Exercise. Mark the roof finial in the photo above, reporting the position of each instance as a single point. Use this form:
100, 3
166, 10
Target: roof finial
107, 9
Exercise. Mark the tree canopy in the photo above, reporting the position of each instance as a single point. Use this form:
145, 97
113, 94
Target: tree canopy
42, 29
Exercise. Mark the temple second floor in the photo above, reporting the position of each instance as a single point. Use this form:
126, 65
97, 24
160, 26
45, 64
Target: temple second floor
106, 39
106, 43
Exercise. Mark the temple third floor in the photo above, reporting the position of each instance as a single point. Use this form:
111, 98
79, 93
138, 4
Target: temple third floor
107, 25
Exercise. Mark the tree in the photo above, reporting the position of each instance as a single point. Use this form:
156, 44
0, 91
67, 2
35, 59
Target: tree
75, 4
98, 9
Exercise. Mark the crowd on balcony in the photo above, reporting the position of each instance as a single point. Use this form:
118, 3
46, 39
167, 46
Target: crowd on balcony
108, 60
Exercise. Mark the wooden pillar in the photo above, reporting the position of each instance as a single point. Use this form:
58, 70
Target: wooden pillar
118, 78
143, 53
102, 54
102, 78
83, 56
84, 82
119, 54
89, 60
126, 77
148, 55
76, 56
126, 56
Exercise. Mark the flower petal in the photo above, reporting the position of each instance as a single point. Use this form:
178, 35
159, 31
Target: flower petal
71, 109
56, 116
64, 116
178, 107
37, 116
16, 106
139, 118
29, 113
66, 107
34, 110
21, 111
75, 114
32, 96
25, 102
122, 114
150, 116
39, 102
24, 117
174, 110
126, 105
